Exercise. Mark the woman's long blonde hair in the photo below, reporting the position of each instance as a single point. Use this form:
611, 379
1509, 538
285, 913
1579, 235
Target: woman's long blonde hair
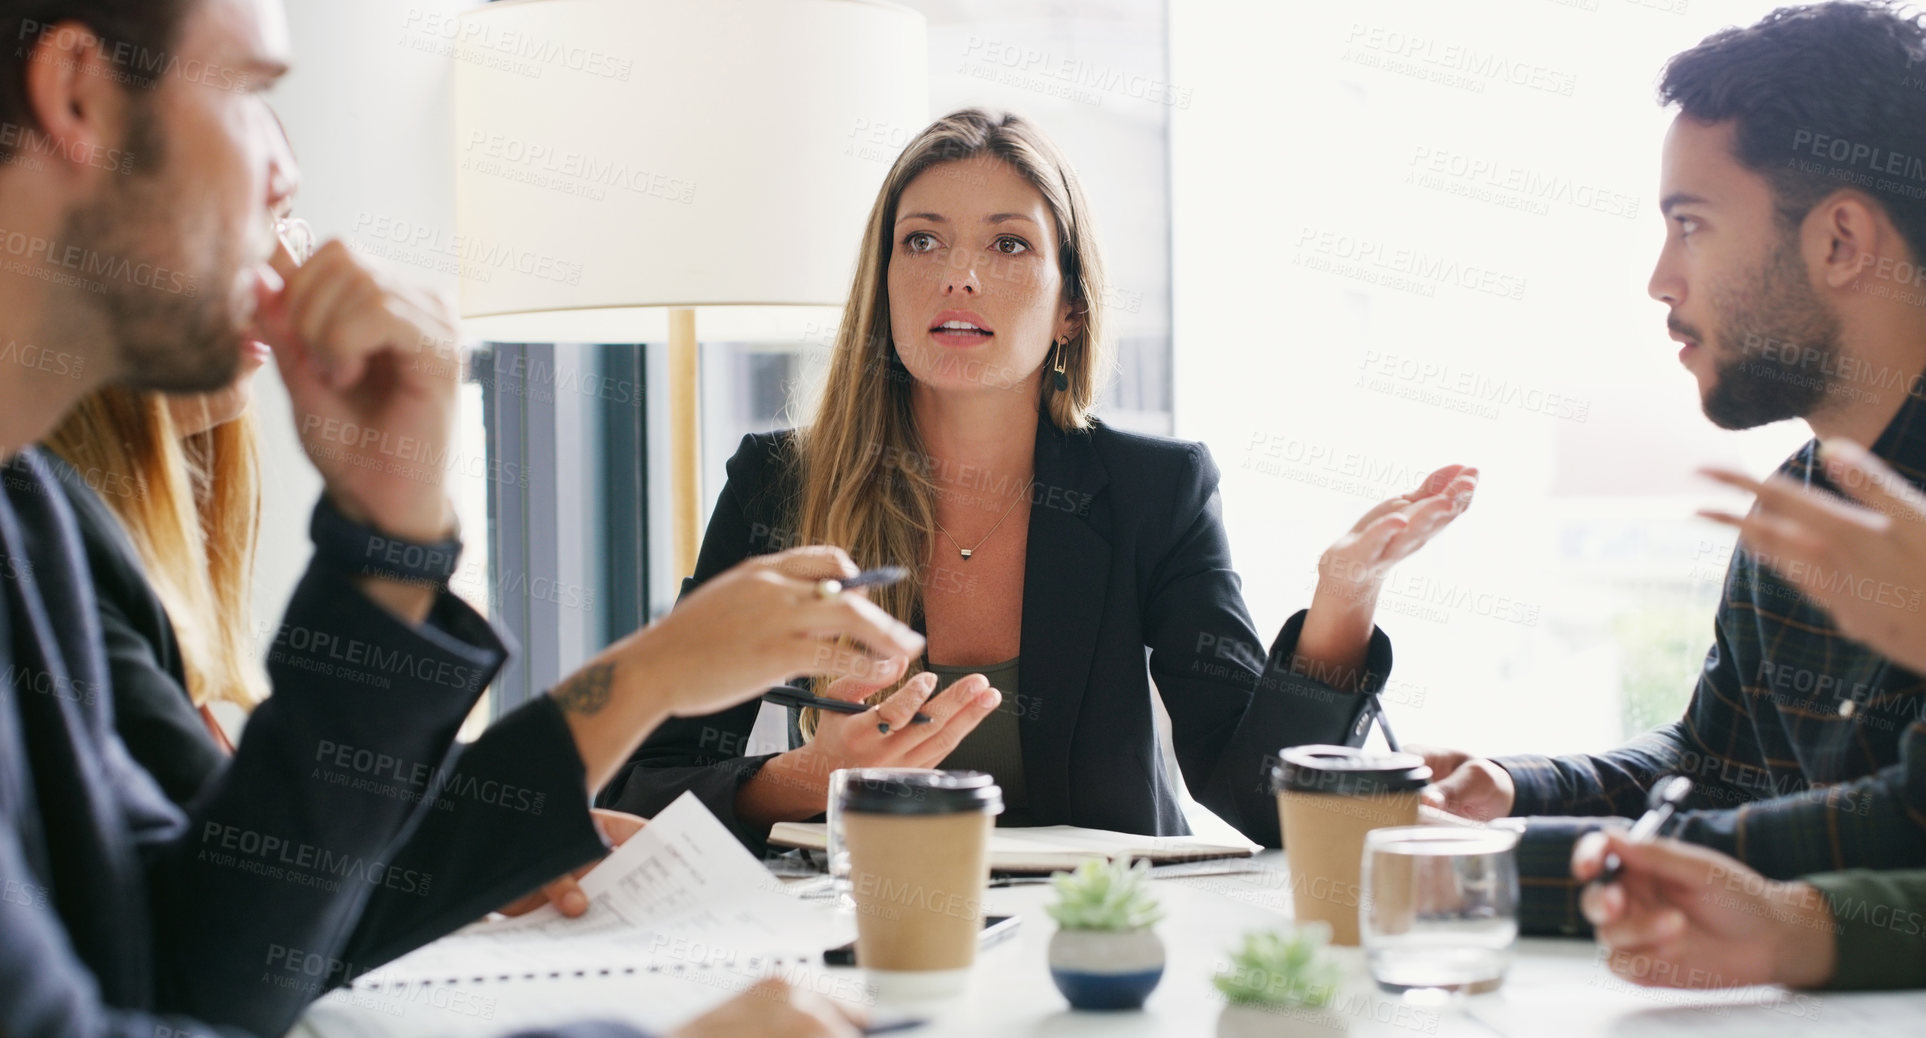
863, 481
192, 508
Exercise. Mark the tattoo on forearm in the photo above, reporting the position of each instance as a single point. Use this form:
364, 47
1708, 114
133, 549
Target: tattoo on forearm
586, 691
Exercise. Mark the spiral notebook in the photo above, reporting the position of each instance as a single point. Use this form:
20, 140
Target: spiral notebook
681, 918
1052, 848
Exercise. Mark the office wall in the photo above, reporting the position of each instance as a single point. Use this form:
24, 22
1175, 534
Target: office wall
370, 108
1407, 234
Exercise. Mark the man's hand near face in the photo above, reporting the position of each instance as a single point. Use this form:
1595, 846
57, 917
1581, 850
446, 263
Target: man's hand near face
372, 369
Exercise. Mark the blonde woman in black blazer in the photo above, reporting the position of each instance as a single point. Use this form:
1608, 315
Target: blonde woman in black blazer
955, 438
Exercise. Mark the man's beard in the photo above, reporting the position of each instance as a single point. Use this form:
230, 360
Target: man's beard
172, 331
1777, 354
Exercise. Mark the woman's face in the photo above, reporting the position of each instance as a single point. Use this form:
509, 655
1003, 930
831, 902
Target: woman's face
975, 295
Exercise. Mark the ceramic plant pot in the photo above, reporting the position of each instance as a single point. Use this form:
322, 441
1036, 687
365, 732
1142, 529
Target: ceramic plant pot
1106, 969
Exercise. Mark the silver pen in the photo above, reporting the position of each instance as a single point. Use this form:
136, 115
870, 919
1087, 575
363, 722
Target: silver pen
1663, 802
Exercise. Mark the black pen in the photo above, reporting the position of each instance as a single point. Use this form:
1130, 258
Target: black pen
1664, 800
881, 576
894, 1026
801, 698
1384, 723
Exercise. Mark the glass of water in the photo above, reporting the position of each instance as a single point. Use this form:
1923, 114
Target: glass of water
1440, 908
837, 853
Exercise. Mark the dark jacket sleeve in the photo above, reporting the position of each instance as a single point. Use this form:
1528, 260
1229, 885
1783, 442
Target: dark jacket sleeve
276, 858
706, 755
1233, 704
510, 815
214, 914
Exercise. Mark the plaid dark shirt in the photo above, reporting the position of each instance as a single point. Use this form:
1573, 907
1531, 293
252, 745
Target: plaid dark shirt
1807, 751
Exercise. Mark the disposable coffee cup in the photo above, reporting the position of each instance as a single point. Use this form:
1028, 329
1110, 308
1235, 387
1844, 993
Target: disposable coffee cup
1328, 797
919, 863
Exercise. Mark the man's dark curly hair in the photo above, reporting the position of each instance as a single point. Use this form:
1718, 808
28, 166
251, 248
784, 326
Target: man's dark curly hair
1825, 96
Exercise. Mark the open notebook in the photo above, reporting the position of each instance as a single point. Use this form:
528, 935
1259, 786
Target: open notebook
681, 918
1048, 848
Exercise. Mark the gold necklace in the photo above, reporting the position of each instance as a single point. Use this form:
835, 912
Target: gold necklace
971, 550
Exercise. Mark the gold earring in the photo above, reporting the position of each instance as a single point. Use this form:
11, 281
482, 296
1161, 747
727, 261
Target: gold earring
1058, 375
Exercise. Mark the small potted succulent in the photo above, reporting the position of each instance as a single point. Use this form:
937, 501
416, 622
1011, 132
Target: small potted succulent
1280, 985
1104, 954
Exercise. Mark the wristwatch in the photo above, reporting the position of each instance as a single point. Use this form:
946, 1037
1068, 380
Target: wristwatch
360, 550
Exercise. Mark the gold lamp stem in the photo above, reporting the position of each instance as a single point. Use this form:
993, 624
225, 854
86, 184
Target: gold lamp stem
685, 437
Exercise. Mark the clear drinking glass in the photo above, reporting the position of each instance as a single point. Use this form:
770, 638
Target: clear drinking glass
837, 853
1440, 907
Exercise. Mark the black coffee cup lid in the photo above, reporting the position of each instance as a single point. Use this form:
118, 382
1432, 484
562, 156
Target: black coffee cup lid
941, 793
1347, 771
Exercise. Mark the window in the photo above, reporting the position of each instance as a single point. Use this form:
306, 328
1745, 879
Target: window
564, 430
1411, 234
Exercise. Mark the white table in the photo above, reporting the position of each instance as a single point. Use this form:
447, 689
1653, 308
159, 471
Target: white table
1556, 988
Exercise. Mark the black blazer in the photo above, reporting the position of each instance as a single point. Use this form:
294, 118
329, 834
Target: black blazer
1127, 552
116, 907
152, 711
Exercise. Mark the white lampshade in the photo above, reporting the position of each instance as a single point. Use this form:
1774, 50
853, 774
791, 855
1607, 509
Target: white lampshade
618, 158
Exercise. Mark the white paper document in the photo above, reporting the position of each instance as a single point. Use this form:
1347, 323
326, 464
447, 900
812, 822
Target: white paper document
680, 918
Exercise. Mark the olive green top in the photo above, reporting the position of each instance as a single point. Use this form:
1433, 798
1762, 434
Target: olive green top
996, 745
1877, 925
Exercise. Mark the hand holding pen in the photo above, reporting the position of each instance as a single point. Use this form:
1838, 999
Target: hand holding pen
1660, 805
881, 576
1680, 915
1612, 889
797, 697
804, 699
857, 734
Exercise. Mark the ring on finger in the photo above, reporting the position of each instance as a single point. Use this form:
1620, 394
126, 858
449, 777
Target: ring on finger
828, 588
